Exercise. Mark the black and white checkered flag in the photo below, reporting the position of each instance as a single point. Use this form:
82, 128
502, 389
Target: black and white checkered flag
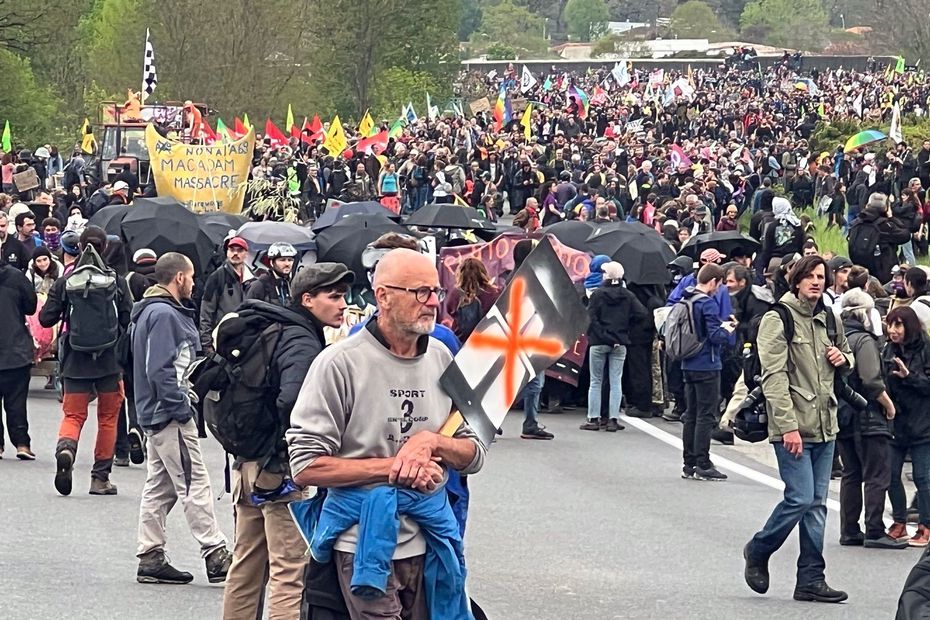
149, 76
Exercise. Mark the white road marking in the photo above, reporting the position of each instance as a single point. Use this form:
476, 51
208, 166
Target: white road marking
719, 461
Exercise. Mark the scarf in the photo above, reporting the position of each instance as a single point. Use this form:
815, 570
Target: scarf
52, 240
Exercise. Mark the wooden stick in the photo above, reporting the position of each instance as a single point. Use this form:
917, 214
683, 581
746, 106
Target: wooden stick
452, 423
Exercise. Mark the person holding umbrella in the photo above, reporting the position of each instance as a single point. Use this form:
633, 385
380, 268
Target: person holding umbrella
224, 289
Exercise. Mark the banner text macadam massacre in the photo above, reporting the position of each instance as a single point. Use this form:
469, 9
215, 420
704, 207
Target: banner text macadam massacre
205, 178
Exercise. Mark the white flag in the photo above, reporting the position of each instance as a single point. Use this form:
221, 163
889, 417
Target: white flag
621, 74
431, 111
857, 105
895, 132
527, 81
149, 76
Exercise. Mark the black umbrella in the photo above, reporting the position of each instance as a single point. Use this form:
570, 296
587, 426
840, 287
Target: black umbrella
109, 218
344, 241
336, 212
643, 253
448, 216
724, 242
499, 229
218, 225
573, 233
165, 225
261, 235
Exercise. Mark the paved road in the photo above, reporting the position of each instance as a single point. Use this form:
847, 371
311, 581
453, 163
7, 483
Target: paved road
590, 526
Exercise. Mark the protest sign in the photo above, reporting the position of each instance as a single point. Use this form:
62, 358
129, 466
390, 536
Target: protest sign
480, 105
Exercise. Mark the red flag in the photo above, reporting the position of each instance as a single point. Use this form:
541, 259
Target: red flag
316, 126
239, 129
380, 138
295, 130
209, 136
272, 131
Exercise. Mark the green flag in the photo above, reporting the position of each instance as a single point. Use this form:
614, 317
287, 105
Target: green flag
222, 130
899, 68
6, 141
396, 129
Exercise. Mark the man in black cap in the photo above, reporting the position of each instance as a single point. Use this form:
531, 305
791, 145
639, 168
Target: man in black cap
839, 267
267, 541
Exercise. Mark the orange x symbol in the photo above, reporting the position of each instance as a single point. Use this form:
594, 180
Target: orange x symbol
514, 343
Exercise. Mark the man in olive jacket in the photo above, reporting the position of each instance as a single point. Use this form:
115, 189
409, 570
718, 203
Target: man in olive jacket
797, 381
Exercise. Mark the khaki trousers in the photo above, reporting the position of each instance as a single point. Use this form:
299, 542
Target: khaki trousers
405, 598
269, 550
176, 470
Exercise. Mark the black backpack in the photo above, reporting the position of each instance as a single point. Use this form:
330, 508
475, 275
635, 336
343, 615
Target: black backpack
467, 318
92, 292
864, 243
236, 392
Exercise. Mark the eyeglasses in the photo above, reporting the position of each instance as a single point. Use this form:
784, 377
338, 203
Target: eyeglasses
422, 293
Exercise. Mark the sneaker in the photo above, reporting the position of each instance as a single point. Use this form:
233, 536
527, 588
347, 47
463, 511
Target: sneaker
672, 415
635, 412
101, 487
710, 474
120, 461
218, 562
852, 541
884, 542
602, 422
921, 538
591, 425
613, 425
819, 592
154, 568
723, 436
64, 462
536, 433
898, 531
23, 453
136, 446
50, 384
687, 472
756, 574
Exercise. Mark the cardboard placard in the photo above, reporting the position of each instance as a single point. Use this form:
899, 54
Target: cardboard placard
26, 180
480, 105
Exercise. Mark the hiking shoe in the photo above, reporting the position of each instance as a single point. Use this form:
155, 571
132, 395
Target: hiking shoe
710, 474
218, 562
687, 472
723, 436
120, 461
64, 462
102, 487
613, 425
921, 538
884, 542
536, 433
154, 568
819, 592
23, 453
136, 447
591, 425
898, 531
756, 574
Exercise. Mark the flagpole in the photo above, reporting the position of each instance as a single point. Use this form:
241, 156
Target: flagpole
145, 45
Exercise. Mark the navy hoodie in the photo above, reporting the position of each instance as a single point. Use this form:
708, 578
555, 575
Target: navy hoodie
710, 330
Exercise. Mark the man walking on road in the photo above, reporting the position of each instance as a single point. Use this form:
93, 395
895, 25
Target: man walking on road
224, 290
17, 300
802, 427
164, 343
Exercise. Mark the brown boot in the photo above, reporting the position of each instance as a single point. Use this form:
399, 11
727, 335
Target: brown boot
898, 531
102, 487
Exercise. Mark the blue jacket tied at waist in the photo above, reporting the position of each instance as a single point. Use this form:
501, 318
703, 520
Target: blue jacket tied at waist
376, 513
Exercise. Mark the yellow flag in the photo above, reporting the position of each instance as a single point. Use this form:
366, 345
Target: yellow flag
527, 121
366, 125
88, 143
245, 121
336, 141
290, 119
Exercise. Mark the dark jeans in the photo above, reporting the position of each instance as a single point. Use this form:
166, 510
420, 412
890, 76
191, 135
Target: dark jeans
807, 481
866, 473
676, 383
920, 464
530, 396
702, 393
14, 389
637, 376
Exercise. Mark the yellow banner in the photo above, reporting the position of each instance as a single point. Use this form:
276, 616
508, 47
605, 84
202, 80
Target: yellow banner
205, 178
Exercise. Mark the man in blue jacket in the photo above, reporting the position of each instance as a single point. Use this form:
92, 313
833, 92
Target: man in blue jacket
702, 375
165, 341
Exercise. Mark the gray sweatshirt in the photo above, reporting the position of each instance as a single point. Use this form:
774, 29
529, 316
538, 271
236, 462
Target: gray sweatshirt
359, 400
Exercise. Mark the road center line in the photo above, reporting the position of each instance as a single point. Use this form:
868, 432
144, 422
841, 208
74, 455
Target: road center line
719, 461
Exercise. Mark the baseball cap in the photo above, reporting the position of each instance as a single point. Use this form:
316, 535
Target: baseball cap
320, 275
238, 242
711, 255
839, 262
120, 185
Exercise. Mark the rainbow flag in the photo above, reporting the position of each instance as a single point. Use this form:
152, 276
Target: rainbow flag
581, 99
503, 112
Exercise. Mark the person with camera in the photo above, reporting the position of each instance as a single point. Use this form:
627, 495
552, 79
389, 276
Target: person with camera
798, 374
906, 359
865, 432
